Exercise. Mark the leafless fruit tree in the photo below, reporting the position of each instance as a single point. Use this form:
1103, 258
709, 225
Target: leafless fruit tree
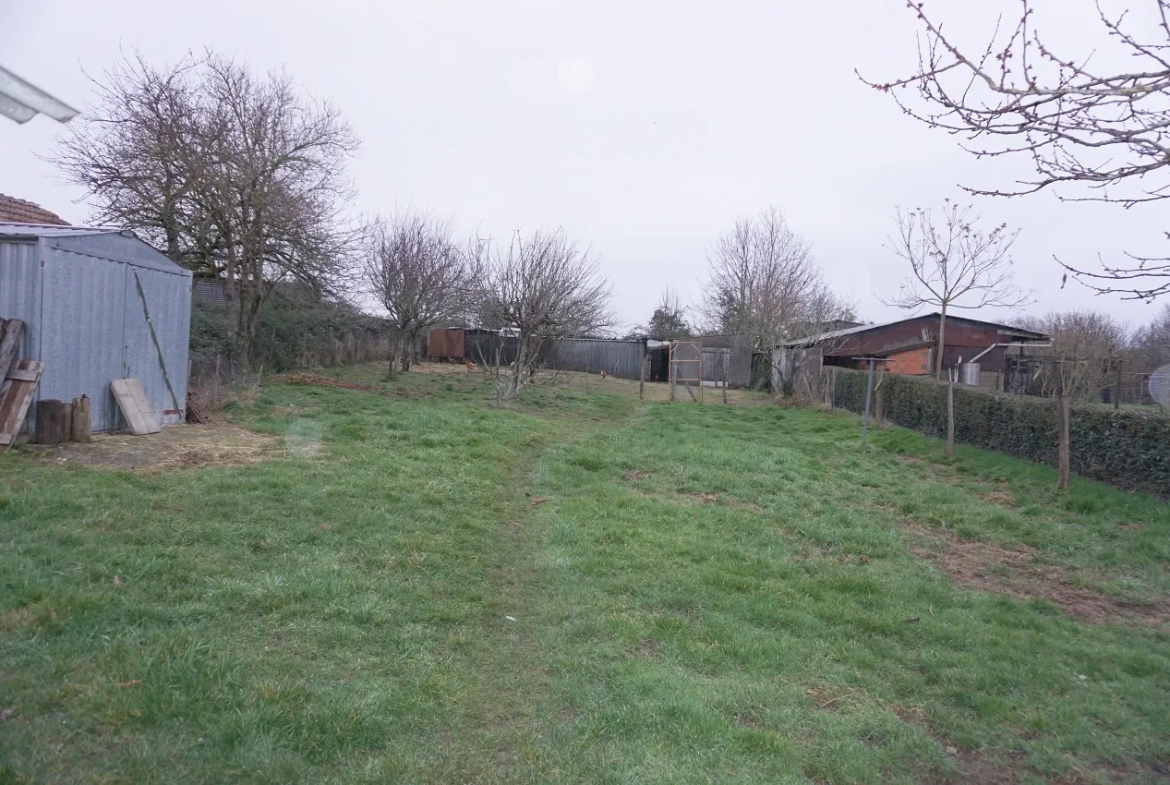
540, 287
765, 285
1077, 367
415, 270
953, 264
236, 175
1104, 130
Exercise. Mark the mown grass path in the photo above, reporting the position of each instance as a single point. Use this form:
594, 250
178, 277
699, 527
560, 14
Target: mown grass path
422, 588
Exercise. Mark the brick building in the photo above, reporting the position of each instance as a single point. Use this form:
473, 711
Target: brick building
909, 345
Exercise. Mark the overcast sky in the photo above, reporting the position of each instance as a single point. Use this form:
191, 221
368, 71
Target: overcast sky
643, 127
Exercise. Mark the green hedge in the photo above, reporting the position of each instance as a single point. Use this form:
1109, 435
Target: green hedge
1127, 449
291, 334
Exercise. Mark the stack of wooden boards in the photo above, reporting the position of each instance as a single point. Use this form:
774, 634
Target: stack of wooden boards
18, 381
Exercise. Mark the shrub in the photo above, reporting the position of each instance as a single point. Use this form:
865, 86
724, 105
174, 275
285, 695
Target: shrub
291, 334
1127, 449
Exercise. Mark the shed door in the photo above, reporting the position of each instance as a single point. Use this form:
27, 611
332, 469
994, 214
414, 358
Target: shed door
155, 348
81, 331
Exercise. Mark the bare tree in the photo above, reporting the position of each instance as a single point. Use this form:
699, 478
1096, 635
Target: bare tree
765, 284
538, 288
669, 320
1150, 345
1077, 367
414, 269
953, 264
235, 175
1081, 126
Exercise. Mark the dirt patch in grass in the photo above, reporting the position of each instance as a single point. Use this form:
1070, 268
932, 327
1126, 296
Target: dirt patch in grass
647, 649
633, 475
982, 767
174, 447
1001, 496
317, 380
987, 567
826, 699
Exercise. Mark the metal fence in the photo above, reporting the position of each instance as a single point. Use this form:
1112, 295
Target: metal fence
622, 359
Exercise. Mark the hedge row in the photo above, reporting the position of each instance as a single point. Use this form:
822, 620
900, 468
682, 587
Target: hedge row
291, 334
1127, 449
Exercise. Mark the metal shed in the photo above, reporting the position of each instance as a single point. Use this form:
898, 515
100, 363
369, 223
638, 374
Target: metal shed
98, 305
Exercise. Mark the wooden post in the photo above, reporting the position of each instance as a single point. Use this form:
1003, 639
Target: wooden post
642, 378
53, 422
1064, 448
670, 369
82, 430
868, 399
1117, 388
725, 378
951, 411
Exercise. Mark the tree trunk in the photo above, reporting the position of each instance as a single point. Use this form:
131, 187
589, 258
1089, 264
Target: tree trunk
54, 421
392, 366
82, 420
942, 343
951, 414
1064, 458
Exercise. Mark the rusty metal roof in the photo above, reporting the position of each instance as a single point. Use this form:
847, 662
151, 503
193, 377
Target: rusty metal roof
1007, 329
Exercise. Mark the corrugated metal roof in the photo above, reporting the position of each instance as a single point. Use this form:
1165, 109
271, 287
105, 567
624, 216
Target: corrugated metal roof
864, 328
13, 229
22, 101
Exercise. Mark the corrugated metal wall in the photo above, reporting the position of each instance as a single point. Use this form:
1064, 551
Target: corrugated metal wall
86, 320
80, 332
20, 287
622, 359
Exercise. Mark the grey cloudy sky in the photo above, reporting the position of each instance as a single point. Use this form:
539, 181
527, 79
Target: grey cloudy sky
644, 127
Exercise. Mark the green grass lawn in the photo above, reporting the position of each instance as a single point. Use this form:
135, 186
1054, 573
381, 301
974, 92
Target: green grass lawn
580, 588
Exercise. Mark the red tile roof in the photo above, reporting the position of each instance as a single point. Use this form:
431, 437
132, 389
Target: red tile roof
20, 211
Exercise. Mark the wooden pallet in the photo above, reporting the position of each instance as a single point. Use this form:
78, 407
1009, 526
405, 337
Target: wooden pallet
135, 408
11, 335
23, 378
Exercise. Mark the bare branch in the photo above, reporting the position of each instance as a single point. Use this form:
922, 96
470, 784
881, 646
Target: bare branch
1108, 134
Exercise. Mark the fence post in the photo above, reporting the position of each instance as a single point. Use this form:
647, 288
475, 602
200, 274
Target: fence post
670, 369
642, 378
951, 410
1117, 389
868, 397
725, 378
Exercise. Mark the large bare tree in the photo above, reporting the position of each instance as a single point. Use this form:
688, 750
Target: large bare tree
765, 285
415, 270
1082, 119
539, 287
236, 175
1077, 367
953, 264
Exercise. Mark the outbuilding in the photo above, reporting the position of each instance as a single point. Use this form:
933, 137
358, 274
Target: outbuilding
98, 305
910, 347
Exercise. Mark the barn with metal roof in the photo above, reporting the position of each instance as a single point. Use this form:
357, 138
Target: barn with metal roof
98, 305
